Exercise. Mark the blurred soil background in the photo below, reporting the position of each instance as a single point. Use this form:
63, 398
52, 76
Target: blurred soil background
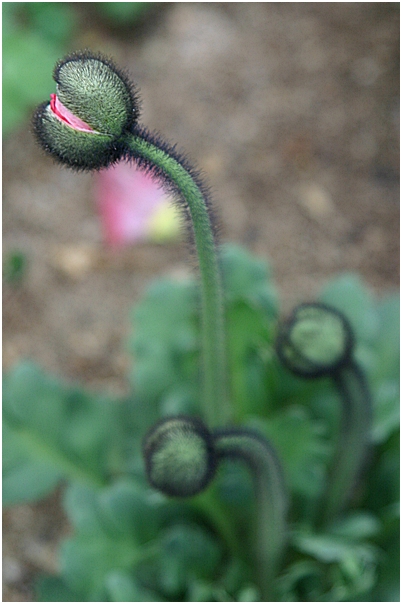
292, 112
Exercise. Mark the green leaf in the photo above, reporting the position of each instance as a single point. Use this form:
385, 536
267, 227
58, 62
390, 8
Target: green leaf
351, 564
387, 344
383, 480
387, 588
248, 279
187, 552
249, 338
53, 21
53, 589
129, 507
63, 428
165, 341
300, 443
28, 63
111, 524
123, 13
332, 548
117, 544
24, 479
302, 581
121, 586
348, 294
123, 507
249, 593
357, 526
86, 561
386, 410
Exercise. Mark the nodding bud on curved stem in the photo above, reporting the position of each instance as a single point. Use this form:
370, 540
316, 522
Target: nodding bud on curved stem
181, 457
94, 106
317, 340
92, 122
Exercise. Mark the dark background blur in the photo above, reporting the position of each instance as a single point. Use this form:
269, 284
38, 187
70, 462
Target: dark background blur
291, 110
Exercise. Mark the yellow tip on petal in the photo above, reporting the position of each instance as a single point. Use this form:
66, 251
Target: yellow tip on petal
164, 224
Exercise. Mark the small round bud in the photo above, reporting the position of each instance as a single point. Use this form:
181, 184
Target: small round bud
179, 456
94, 106
316, 340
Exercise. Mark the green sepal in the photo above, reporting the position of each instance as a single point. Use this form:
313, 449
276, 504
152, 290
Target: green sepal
92, 88
80, 150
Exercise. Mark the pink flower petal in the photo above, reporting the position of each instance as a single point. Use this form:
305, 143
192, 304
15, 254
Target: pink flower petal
127, 201
65, 116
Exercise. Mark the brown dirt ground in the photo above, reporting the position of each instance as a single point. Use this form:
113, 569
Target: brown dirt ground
292, 111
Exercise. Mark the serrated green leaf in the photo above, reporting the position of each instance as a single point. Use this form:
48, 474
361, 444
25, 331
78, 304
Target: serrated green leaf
333, 548
121, 586
166, 340
187, 551
248, 279
301, 445
348, 294
24, 479
123, 508
60, 426
350, 564
128, 507
249, 336
86, 560
301, 581
82, 508
166, 315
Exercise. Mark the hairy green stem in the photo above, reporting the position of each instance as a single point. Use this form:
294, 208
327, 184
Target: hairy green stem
318, 340
216, 410
353, 440
271, 499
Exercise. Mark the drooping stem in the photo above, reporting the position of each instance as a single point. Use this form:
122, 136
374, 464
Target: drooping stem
181, 459
353, 438
91, 123
145, 150
271, 499
317, 340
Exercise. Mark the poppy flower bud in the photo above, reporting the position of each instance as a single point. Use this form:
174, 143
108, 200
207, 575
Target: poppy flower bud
94, 106
316, 340
179, 456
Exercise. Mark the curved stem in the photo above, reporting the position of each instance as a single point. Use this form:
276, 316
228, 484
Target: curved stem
271, 499
354, 435
152, 154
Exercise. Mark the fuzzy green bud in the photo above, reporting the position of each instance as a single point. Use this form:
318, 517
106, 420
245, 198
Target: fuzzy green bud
316, 340
94, 106
179, 456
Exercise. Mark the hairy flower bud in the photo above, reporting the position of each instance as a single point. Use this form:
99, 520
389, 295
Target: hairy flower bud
95, 104
179, 456
316, 340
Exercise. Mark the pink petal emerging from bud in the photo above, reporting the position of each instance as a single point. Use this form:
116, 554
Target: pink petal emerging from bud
65, 116
128, 201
